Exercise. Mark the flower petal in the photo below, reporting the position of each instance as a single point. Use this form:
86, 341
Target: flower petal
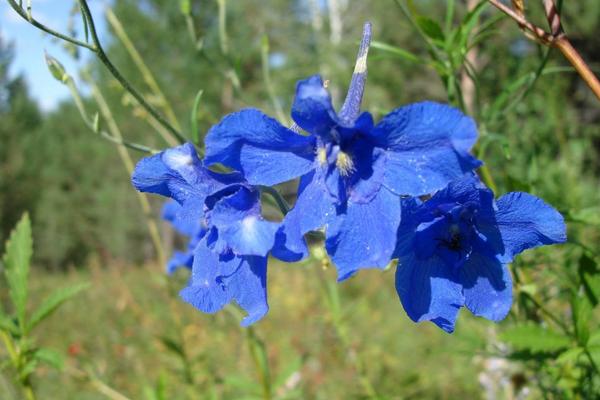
239, 223
314, 208
526, 221
173, 212
368, 175
429, 291
180, 259
427, 146
312, 109
363, 234
218, 279
178, 173
266, 152
487, 286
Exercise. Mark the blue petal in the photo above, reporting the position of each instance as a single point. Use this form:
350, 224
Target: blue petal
206, 290
487, 286
219, 279
411, 210
239, 223
181, 221
266, 152
312, 109
366, 180
429, 291
178, 173
427, 146
249, 288
314, 208
526, 221
363, 234
178, 260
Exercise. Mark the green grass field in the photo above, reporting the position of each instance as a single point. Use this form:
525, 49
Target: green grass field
126, 330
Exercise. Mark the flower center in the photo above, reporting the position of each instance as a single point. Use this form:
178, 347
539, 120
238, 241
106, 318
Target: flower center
322, 156
344, 163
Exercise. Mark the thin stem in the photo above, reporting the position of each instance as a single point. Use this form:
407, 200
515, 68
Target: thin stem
538, 32
268, 83
594, 365
556, 39
281, 203
549, 314
94, 126
117, 75
129, 166
19, 10
223, 40
580, 65
142, 67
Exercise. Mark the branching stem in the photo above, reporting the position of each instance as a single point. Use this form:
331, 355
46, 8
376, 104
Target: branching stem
555, 38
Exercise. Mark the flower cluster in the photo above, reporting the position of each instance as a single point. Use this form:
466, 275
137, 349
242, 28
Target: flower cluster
361, 184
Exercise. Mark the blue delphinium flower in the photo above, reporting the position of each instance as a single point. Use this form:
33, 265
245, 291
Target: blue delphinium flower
221, 213
193, 229
453, 250
352, 171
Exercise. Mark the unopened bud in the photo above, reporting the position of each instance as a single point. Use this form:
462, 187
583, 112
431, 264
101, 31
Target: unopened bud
96, 123
186, 7
56, 68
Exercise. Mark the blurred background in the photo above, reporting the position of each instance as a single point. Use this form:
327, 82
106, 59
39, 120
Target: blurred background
130, 334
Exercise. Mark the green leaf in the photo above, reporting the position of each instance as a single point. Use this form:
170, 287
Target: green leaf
582, 312
396, 51
534, 338
17, 257
594, 339
589, 274
570, 356
173, 346
54, 301
50, 357
588, 216
194, 118
430, 28
7, 324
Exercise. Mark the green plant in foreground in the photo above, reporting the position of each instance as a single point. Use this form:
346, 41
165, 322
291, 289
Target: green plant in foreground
16, 322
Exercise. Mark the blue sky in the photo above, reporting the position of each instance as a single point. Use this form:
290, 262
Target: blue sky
30, 44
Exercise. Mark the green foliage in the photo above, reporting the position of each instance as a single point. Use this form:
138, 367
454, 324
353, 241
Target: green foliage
534, 338
23, 355
17, 257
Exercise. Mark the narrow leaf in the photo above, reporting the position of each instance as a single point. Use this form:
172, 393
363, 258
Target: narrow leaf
194, 118
7, 324
50, 357
534, 338
430, 28
397, 51
19, 249
53, 302
582, 312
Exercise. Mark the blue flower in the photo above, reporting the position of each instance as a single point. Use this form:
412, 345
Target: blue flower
191, 228
351, 171
453, 250
230, 240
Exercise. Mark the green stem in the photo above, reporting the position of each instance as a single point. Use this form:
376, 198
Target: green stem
94, 126
594, 365
281, 203
24, 14
142, 67
117, 75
